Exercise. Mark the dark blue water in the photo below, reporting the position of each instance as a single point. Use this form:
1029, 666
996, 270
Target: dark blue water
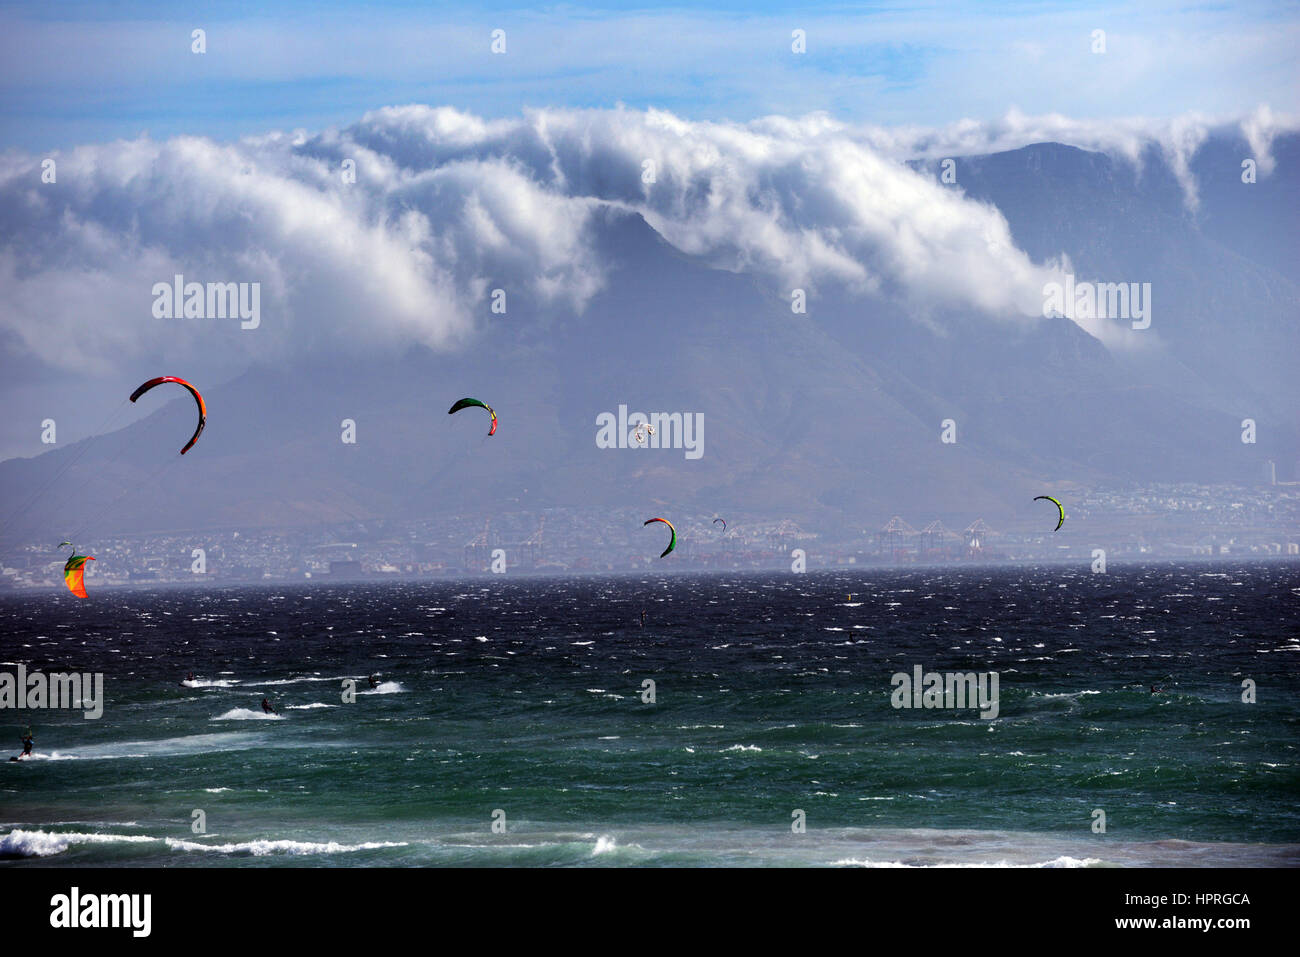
523, 698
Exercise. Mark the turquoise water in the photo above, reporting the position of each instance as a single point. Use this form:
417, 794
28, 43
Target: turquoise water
772, 697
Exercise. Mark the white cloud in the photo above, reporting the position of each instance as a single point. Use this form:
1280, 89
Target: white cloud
1178, 139
399, 257
1260, 129
447, 206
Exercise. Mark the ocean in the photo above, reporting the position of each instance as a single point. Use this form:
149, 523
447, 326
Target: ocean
511, 723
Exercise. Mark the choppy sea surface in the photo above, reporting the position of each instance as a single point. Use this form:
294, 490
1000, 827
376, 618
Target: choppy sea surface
521, 701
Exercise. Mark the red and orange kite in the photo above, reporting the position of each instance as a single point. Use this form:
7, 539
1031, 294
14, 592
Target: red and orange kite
74, 571
203, 409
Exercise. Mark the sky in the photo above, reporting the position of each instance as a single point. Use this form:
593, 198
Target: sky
73, 73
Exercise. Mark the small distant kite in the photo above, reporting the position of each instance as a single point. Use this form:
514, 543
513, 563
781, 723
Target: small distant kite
203, 409
1059, 507
723, 521
642, 431
673, 543
74, 571
475, 403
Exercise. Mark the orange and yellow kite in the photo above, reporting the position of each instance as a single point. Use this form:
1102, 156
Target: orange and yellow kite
74, 571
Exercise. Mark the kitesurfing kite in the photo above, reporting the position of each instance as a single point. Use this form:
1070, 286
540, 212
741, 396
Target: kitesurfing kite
74, 571
198, 399
723, 521
1059, 507
642, 431
468, 403
673, 543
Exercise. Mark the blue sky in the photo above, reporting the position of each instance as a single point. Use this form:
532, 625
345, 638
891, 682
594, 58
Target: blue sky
75, 73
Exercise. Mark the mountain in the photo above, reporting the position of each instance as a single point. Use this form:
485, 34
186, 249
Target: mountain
1224, 278
832, 418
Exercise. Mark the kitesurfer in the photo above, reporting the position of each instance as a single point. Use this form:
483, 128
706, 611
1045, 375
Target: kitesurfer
266, 706
374, 681
27, 744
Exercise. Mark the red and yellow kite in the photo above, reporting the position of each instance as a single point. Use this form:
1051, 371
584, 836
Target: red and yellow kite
74, 572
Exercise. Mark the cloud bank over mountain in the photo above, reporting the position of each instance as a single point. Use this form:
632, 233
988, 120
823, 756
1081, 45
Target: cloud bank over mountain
446, 207
648, 263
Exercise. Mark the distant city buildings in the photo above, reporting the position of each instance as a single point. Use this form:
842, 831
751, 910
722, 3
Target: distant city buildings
1145, 522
